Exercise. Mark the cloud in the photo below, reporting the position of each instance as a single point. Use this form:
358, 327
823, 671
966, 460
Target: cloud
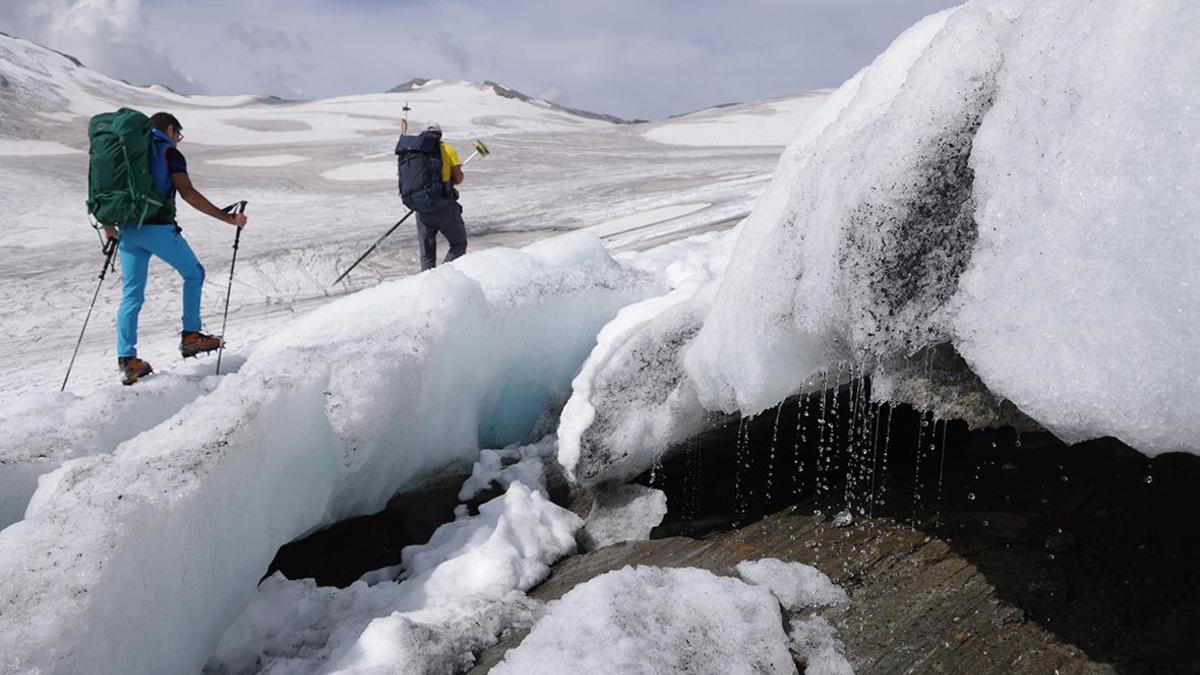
626, 57
445, 45
258, 38
107, 35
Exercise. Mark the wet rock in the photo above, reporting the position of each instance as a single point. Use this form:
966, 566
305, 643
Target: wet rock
1010, 616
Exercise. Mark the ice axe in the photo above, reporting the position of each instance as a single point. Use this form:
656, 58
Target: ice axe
481, 150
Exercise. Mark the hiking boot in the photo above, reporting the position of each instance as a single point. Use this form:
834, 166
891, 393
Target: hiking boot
133, 369
194, 342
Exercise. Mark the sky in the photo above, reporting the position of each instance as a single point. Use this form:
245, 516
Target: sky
632, 58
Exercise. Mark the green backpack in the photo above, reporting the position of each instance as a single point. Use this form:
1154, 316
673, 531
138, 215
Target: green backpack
121, 187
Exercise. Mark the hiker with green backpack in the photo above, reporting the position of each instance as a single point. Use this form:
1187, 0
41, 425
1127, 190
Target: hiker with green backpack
135, 170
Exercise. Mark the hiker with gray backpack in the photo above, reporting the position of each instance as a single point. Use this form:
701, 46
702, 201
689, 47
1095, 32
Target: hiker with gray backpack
135, 170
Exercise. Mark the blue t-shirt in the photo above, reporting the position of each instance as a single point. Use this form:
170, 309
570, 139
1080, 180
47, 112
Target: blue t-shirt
174, 162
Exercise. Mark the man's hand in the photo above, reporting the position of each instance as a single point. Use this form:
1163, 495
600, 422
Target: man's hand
110, 233
183, 184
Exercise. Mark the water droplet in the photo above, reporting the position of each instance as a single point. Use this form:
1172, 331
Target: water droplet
1149, 479
971, 496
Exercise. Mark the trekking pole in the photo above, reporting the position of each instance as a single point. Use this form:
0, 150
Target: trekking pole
110, 248
234, 209
373, 247
481, 150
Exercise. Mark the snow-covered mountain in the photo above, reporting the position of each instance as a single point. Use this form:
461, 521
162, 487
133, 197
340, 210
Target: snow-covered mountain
58, 88
421, 83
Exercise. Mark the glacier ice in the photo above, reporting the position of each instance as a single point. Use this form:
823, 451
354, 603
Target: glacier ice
987, 237
41, 431
137, 561
623, 513
632, 399
1036, 218
1080, 303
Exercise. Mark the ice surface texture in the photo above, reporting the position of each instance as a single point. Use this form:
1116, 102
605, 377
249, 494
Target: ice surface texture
1082, 301
632, 398
44, 430
137, 561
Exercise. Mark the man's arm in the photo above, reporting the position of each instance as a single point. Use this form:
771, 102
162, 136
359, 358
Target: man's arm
456, 174
183, 185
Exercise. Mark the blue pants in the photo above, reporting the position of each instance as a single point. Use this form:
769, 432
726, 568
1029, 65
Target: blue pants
136, 247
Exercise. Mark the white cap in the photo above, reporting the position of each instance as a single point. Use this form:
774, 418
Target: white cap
433, 126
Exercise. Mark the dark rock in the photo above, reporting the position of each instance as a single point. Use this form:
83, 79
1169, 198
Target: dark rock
341, 553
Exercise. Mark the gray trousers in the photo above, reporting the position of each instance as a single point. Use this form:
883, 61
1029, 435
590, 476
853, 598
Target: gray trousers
449, 222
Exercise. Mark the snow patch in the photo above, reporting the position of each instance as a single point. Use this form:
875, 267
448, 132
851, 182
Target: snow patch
817, 643
648, 619
363, 171
796, 585
259, 160
773, 122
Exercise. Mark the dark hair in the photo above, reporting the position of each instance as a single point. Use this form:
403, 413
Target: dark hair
162, 120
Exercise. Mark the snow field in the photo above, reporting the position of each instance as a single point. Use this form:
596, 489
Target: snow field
259, 160
327, 419
773, 122
21, 148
